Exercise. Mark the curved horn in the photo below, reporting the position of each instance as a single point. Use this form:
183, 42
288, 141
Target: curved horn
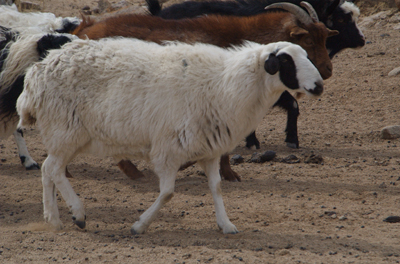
310, 10
297, 11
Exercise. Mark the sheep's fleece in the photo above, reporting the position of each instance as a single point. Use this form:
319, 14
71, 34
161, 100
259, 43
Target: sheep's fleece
169, 104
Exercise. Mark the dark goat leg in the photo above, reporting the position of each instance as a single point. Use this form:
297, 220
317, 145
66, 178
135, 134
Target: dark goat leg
288, 103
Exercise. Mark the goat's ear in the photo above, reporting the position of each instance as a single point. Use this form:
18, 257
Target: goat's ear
298, 32
332, 33
272, 64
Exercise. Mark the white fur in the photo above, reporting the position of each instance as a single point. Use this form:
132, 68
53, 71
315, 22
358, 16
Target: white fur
351, 8
170, 104
30, 23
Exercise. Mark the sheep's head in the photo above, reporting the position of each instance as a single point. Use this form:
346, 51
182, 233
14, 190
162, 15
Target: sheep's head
310, 34
296, 72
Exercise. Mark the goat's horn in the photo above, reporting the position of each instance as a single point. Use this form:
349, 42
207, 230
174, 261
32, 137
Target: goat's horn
310, 10
299, 12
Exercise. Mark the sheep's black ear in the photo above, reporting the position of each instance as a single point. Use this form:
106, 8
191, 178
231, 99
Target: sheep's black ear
272, 64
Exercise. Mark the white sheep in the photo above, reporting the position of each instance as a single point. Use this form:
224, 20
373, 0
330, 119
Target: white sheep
170, 104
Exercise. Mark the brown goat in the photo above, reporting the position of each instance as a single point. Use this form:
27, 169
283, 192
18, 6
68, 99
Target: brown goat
222, 31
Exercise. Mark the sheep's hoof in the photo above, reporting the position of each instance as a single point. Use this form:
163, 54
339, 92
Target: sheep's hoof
229, 229
80, 224
292, 145
134, 232
29, 164
33, 167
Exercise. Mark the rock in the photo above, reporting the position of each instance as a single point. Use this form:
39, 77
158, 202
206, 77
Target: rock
29, 6
236, 159
119, 5
263, 157
392, 219
390, 132
291, 159
316, 159
268, 155
394, 72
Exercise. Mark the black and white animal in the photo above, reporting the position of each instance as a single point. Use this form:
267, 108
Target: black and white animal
335, 14
99, 97
20, 47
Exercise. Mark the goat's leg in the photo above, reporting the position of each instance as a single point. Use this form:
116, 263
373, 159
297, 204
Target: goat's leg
23, 153
226, 171
289, 103
251, 140
167, 186
130, 170
56, 167
210, 167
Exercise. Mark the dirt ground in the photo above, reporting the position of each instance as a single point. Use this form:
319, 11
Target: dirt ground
287, 213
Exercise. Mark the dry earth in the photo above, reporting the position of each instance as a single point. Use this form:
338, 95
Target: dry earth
287, 213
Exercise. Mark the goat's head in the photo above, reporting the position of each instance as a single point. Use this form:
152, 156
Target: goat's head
310, 34
296, 71
344, 19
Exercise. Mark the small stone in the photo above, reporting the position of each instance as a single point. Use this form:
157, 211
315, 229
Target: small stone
267, 155
316, 159
394, 72
342, 218
291, 159
392, 219
86, 8
390, 132
237, 159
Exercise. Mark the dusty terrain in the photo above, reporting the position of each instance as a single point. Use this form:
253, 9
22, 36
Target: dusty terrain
287, 213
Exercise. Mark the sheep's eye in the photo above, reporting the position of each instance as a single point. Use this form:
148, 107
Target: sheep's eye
340, 20
284, 60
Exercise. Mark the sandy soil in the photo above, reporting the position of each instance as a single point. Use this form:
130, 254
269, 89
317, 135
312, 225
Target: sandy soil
287, 213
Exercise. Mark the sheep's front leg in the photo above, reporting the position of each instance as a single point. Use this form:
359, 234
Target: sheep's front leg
167, 186
50, 209
23, 153
54, 170
210, 167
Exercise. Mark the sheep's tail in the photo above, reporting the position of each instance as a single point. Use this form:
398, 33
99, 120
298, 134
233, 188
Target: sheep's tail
86, 22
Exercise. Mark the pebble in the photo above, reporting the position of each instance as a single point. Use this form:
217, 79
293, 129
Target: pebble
394, 72
316, 159
263, 157
390, 132
392, 219
237, 159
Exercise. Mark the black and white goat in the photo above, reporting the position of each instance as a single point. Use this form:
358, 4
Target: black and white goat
335, 14
21, 45
99, 97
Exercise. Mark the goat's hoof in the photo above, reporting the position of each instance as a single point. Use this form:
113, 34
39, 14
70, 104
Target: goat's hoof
229, 229
292, 145
81, 224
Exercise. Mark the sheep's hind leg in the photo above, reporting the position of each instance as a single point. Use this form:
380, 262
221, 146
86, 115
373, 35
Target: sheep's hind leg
56, 169
214, 182
23, 153
167, 186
